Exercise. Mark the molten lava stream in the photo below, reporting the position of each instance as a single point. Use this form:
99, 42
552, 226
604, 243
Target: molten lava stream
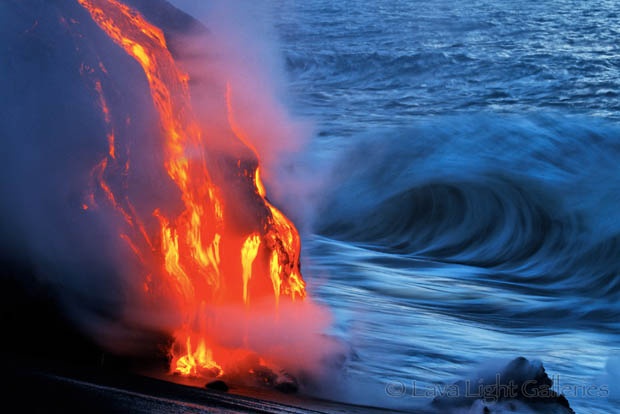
222, 254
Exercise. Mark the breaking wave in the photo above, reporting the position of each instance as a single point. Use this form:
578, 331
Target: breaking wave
534, 199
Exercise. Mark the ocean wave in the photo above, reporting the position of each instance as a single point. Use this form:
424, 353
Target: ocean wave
531, 198
371, 67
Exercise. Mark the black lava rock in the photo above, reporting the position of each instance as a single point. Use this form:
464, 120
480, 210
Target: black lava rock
217, 385
519, 382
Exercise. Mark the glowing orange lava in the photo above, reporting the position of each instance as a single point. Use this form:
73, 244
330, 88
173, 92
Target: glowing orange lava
205, 257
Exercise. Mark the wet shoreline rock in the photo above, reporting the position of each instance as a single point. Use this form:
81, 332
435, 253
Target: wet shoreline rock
520, 383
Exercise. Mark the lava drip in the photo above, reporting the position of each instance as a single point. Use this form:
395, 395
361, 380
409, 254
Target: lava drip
228, 246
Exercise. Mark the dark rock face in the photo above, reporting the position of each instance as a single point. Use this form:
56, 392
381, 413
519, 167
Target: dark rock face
520, 383
53, 133
217, 385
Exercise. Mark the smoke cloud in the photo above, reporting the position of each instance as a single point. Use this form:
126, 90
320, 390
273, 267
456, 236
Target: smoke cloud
243, 50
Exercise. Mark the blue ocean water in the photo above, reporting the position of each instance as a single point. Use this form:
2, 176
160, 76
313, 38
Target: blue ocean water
469, 211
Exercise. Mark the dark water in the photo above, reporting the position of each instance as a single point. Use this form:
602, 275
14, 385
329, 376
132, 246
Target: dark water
471, 206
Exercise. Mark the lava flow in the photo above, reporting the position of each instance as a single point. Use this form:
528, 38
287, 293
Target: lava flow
228, 246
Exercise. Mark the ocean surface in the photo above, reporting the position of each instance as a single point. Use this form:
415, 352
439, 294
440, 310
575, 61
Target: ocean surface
469, 206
